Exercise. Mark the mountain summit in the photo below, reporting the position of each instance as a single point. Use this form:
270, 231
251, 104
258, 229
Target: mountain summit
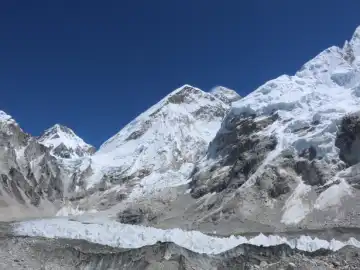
225, 94
167, 139
65, 143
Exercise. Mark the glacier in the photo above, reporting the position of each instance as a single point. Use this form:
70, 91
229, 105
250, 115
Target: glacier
114, 234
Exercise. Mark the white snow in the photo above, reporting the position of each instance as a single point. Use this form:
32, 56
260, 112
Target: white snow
296, 207
333, 195
299, 100
57, 135
131, 236
310, 106
225, 94
4, 117
163, 139
69, 210
155, 182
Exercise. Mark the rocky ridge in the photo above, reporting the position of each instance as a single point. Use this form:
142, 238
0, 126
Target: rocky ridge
32, 174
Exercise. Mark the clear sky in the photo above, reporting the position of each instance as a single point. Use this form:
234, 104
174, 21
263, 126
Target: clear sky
95, 65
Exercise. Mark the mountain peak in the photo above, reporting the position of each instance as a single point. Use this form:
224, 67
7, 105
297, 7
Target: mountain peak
4, 116
355, 39
61, 128
225, 94
64, 142
169, 137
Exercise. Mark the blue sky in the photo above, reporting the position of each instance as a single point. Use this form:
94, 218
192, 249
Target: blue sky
95, 65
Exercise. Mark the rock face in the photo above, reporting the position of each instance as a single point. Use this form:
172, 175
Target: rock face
31, 174
348, 139
238, 152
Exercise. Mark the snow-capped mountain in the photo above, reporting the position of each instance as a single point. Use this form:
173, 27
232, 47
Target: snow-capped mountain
285, 155
162, 144
290, 148
65, 143
33, 171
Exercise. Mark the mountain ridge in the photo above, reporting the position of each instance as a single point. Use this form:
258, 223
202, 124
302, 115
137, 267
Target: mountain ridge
271, 158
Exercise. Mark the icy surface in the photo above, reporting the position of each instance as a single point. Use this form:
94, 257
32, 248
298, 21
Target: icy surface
299, 106
333, 195
297, 207
155, 182
225, 94
132, 236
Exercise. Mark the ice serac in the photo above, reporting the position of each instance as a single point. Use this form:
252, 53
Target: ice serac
225, 94
64, 143
159, 148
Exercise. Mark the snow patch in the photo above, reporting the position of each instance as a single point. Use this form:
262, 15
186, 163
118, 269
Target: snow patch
333, 195
156, 182
296, 207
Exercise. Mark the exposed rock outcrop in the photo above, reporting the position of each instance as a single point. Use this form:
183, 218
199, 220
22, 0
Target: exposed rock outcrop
238, 150
348, 139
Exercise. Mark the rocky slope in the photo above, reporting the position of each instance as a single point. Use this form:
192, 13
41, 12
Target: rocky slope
32, 174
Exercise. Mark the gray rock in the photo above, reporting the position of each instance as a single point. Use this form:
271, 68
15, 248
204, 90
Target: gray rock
313, 172
240, 151
135, 216
274, 183
348, 139
291, 266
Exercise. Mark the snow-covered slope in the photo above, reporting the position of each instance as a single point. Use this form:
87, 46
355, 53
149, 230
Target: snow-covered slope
280, 154
166, 139
286, 145
225, 94
315, 99
65, 143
